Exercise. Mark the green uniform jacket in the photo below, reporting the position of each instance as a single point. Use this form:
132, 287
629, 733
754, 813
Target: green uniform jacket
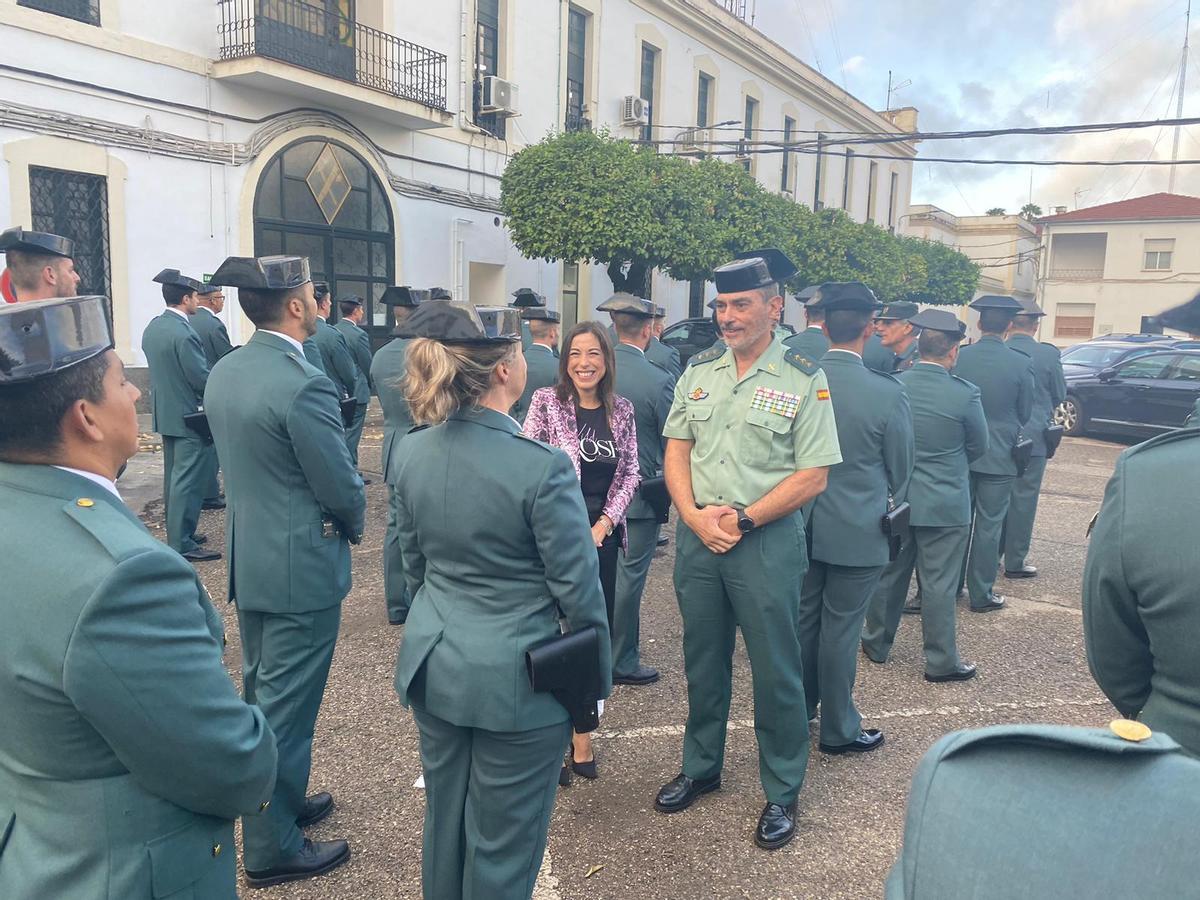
491, 553
125, 751
874, 430
313, 353
650, 390
1005, 381
949, 433
338, 361
387, 373
526, 336
1046, 798
214, 339
1141, 620
664, 357
279, 435
178, 372
542, 367
359, 344
1049, 386
811, 342
878, 357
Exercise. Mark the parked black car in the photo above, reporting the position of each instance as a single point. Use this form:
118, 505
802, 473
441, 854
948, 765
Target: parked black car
1092, 356
1145, 393
692, 336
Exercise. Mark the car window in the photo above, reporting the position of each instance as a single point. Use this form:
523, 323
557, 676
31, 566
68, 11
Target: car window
1099, 357
678, 334
1145, 366
1186, 369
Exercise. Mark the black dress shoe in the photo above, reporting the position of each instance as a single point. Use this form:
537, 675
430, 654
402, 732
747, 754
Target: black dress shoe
1023, 572
867, 654
215, 503
365, 479
640, 676
868, 739
397, 619
994, 601
585, 769
682, 792
316, 807
312, 859
776, 826
200, 538
912, 609
662, 541
961, 672
201, 555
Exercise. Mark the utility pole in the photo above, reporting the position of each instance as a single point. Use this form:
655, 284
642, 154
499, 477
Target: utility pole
892, 88
1182, 87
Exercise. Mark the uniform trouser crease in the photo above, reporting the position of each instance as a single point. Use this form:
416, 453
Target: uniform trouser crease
354, 432
632, 570
186, 467
989, 496
1022, 510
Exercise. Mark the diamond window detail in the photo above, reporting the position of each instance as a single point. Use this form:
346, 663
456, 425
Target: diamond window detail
329, 185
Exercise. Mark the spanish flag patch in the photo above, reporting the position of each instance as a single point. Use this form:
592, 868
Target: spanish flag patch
822, 394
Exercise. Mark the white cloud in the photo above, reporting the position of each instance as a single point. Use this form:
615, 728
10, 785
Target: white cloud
854, 63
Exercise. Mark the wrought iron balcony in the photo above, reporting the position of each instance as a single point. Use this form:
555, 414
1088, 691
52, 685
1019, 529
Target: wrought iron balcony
316, 36
577, 122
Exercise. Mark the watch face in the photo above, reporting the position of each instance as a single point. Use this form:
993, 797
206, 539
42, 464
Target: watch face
745, 524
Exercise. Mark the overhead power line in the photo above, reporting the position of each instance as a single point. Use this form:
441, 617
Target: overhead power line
761, 151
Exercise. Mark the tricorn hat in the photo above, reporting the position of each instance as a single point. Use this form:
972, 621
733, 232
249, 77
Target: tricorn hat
42, 337
456, 322
526, 297
175, 278
402, 295
844, 295
753, 269
540, 312
1029, 308
439, 293
17, 238
263, 273
940, 320
353, 299
622, 302
1000, 302
901, 309
320, 290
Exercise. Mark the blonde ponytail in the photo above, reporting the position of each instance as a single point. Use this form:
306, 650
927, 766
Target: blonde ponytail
443, 378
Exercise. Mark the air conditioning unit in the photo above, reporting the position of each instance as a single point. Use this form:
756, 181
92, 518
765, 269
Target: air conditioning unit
635, 110
499, 96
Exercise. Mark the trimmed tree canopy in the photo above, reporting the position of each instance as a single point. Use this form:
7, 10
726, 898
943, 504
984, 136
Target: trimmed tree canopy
586, 196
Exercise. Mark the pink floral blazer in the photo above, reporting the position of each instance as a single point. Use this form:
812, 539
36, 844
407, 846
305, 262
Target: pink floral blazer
553, 422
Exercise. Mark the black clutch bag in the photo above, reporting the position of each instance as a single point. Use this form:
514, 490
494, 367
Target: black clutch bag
1022, 453
895, 527
198, 422
568, 667
1053, 435
654, 492
347, 407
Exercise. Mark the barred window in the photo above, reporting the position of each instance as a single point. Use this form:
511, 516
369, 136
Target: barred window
86, 11
75, 205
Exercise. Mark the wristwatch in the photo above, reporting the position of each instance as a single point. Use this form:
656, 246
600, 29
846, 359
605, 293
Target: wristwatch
745, 523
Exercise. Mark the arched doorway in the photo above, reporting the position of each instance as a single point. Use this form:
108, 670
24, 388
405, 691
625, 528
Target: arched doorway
317, 198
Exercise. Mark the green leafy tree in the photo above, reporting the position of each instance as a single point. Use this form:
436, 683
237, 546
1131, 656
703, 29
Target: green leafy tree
951, 277
996, 211
1030, 211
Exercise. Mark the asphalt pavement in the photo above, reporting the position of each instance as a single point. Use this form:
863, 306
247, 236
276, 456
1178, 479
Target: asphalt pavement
606, 840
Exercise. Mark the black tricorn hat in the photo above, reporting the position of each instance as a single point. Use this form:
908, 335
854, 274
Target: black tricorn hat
901, 309
352, 299
1029, 308
753, 269
660, 312
439, 293
17, 238
526, 297
540, 312
1185, 317
940, 320
320, 290
622, 302
175, 278
402, 295
456, 322
851, 295
42, 337
263, 273
806, 295
1000, 302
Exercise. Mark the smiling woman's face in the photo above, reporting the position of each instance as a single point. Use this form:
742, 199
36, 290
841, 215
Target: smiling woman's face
585, 362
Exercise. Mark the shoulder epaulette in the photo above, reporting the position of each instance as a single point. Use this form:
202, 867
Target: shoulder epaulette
888, 375
111, 529
963, 381
716, 351
798, 360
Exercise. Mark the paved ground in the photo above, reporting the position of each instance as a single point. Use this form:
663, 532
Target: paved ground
1031, 663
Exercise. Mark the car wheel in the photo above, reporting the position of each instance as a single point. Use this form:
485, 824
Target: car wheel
1069, 414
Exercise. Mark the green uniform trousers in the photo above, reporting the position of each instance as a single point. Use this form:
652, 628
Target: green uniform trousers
1022, 509
756, 585
285, 663
395, 589
833, 602
989, 503
212, 487
186, 466
488, 800
633, 565
354, 432
936, 553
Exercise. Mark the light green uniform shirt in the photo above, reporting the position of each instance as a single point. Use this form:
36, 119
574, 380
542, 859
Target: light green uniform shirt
751, 434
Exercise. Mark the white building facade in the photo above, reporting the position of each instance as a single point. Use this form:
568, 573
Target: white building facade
366, 134
1110, 269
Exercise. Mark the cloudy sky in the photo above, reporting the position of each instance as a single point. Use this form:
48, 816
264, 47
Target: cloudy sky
1012, 63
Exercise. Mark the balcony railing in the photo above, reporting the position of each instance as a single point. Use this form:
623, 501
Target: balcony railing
1061, 274
323, 40
737, 7
577, 122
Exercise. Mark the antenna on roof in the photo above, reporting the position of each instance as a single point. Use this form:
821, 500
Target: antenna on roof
1182, 86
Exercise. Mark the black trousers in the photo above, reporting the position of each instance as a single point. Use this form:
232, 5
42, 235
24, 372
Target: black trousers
607, 553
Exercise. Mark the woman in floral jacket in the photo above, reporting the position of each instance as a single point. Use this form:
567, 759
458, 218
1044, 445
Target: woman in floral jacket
584, 417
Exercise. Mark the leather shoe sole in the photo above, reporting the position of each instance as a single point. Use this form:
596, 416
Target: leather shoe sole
699, 789
201, 555
1020, 574
988, 607
213, 504
870, 739
317, 807
962, 673
643, 676
282, 874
